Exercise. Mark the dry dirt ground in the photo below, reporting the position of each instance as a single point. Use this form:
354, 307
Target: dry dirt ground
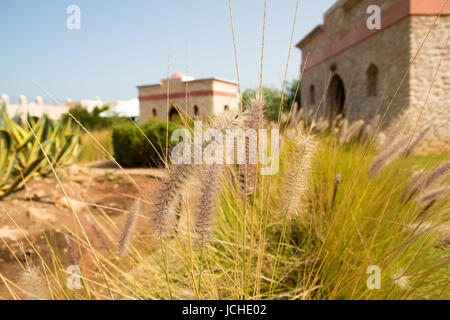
39, 215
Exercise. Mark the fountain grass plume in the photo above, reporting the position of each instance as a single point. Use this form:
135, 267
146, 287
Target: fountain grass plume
407, 194
170, 194
444, 243
97, 232
425, 209
352, 131
33, 285
254, 117
437, 193
299, 173
436, 174
173, 184
422, 182
388, 153
416, 142
210, 176
128, 228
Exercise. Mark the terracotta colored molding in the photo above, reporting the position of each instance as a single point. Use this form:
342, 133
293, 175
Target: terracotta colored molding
429, 7
389, 17
198, 93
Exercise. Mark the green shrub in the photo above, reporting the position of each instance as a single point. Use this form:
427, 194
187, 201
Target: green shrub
92, 120
132, 147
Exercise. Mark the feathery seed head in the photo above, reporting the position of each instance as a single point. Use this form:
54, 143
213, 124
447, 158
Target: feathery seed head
298, 174
33, 285
388, 153
210, 176
416, 142
127, 231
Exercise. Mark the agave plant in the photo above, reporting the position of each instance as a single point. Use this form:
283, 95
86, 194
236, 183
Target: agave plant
23, 148
60, 142
7, 160
9, 179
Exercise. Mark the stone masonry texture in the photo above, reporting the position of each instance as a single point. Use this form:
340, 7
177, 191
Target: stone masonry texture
413, 79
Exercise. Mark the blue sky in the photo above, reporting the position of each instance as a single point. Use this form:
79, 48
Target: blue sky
124, 43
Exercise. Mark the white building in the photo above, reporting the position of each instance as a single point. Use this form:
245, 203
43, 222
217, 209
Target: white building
37, 108
125, 108
88, 104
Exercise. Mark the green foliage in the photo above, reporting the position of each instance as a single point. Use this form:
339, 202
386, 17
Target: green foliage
7, 160
272, 99
90, 151
291, 89
21, 156
132, 143
60, 141
92, 120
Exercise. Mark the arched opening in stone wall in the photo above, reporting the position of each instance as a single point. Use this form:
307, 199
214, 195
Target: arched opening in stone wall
196, 110
173, 114
336, 97
372, 80
154, 113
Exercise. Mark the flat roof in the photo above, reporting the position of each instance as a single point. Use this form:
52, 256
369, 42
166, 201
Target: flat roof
318, 29
346, 4
194, 80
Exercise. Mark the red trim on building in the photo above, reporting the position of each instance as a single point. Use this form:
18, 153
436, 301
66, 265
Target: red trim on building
389, 17
198, 93
429, 7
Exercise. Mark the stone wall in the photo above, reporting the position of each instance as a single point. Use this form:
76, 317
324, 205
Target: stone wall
389, 52
420, 96
430, 80
340, 20
347, 15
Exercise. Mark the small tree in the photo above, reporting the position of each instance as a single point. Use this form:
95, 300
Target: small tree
272, 99
290, 96
92, 120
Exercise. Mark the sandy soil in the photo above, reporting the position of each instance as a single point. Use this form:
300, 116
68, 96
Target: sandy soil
39, 215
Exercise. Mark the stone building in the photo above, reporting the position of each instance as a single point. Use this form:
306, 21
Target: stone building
195, 97
353, 70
